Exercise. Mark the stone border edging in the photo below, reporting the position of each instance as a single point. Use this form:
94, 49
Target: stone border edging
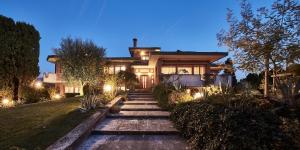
81, 131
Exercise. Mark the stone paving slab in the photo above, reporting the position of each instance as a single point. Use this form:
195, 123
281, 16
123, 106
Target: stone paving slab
134, 142
126, 124
140, 107
146, 114
140, 102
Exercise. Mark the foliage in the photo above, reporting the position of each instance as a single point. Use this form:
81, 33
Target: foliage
230, 70
160, 93
115, 109
29, 94
19, 54
176, 97
90, 101
129, 79
270, 35
81, 61
253, 79
235, 123
6, 92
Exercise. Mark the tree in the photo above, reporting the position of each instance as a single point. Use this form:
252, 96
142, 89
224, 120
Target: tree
229, 69
81, 62
128, 78
269, 36
254, 80
19, 52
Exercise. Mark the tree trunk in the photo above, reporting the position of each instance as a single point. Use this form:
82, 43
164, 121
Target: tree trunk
266, 84
15, 89
81, 92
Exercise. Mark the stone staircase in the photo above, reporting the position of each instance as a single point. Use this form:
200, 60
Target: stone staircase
140, 125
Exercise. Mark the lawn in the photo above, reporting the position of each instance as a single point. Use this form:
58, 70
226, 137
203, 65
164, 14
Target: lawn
37, 126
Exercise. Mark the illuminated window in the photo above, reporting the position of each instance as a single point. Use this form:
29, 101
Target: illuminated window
120, 68
196, 70
202, 72
76, 90
168, 70
68, 89
111, 70
184, 70
145, 57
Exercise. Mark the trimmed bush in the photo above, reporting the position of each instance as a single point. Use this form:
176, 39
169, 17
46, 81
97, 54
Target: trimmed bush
32, 95
238, 123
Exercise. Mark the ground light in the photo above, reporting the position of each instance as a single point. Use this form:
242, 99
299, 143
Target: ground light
198, 95
38, 84
107, 88
6, 102
57, 96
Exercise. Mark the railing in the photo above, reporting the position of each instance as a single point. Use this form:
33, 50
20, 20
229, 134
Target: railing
196, 80
49, 78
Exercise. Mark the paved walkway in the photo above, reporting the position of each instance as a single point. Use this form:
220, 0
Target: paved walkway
140, 125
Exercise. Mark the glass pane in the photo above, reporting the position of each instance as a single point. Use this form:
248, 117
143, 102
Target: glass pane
111, 70
196, 70
184, 70
168, 70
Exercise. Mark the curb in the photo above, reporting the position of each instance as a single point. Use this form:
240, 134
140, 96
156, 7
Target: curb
84, 129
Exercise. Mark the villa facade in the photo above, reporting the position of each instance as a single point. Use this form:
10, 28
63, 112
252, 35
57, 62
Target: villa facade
151, 65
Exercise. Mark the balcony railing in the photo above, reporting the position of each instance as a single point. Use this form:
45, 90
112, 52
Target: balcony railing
196, 80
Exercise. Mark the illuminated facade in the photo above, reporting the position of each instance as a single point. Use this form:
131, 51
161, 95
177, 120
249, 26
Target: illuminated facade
151, 66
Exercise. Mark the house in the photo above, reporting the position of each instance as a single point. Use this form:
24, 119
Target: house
152, 66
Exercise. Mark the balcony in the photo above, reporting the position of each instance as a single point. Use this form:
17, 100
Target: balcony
49, 78
189, 80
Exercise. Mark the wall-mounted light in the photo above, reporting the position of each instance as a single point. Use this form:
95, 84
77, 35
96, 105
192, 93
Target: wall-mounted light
142, 53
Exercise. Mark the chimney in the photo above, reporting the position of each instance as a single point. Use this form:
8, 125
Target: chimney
134, 42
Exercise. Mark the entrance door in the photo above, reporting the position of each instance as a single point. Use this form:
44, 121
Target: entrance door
144, 79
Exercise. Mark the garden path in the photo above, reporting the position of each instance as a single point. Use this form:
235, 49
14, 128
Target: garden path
140, 125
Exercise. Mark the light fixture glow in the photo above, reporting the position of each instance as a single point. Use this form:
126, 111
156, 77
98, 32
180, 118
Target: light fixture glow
107, 88
123, 68
38, 84
57, 96
142, 53
198, 95
5, 101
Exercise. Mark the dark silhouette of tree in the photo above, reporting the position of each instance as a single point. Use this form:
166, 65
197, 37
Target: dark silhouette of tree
230, 70
19, 54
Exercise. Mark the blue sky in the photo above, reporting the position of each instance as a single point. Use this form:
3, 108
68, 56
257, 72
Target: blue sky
170, 24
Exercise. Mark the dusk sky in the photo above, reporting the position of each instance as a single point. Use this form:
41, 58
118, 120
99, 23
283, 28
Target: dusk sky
189, 25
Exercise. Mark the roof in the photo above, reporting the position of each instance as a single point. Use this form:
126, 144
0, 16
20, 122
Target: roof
188, 53
52, 58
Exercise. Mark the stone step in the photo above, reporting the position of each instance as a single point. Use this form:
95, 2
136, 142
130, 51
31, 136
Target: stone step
135, 126
139, 102
140, 114
140, 108
134, 142
140, 98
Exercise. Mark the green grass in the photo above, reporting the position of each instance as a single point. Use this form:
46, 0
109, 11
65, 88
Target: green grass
37, 126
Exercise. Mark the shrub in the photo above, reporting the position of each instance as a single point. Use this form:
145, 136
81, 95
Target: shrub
236, 123
160, 93
32, 95
176, 97
115, 109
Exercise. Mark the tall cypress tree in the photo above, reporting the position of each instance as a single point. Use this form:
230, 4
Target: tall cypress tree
19, 56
